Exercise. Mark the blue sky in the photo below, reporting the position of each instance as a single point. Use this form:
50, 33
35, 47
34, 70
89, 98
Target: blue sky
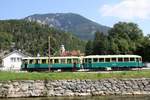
105, 12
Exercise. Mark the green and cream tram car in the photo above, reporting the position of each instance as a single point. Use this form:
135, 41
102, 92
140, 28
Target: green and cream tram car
54, 63
112, 61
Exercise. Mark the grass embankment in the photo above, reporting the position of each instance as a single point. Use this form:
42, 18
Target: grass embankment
73, 75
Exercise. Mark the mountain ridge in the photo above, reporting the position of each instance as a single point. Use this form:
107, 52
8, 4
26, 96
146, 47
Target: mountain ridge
70, 22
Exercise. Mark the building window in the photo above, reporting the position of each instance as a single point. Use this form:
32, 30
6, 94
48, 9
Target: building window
11, 59
18, 59
14, 59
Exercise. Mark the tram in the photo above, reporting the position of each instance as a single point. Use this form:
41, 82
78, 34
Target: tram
112, 61
54, 63
86, 62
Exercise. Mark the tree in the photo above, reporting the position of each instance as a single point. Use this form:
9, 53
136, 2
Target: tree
127, 37
89, 48
113, 47
5, 40
100, 44
144, 50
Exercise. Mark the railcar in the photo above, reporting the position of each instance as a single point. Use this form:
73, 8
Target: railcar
112, 61
96, 62
55, 63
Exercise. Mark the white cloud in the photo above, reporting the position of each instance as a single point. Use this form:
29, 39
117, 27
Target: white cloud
128, 9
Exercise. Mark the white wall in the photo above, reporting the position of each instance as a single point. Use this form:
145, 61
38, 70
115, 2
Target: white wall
12, 62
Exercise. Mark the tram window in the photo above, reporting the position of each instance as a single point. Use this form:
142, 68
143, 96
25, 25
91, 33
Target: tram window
107, 59
69, 61
85, 60
113, 59
101, 59
26, 61
31, 61
75, 60
23, 61
89, 60
37, 61
63, 61
138, 59
132, 59
95, 59
120, 60
43, 61
51, 60
126, 59
56, 60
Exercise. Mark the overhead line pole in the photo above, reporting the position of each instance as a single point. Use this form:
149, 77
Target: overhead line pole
49, 53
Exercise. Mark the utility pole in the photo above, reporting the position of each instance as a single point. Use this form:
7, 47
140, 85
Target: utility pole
49, 53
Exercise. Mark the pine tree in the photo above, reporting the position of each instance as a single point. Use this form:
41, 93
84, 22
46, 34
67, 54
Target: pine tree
89, 48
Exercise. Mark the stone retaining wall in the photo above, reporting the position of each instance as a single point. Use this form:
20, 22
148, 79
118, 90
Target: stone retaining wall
28, 88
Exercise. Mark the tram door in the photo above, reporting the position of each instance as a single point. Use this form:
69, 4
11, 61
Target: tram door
90, 63
25, 65
37, 63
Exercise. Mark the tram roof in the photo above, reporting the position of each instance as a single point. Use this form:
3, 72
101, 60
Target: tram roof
66, 57
112, 56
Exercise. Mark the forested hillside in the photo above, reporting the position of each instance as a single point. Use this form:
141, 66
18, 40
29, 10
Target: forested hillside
33, 38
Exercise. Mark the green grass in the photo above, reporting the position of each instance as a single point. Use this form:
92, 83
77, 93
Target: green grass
73, 75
